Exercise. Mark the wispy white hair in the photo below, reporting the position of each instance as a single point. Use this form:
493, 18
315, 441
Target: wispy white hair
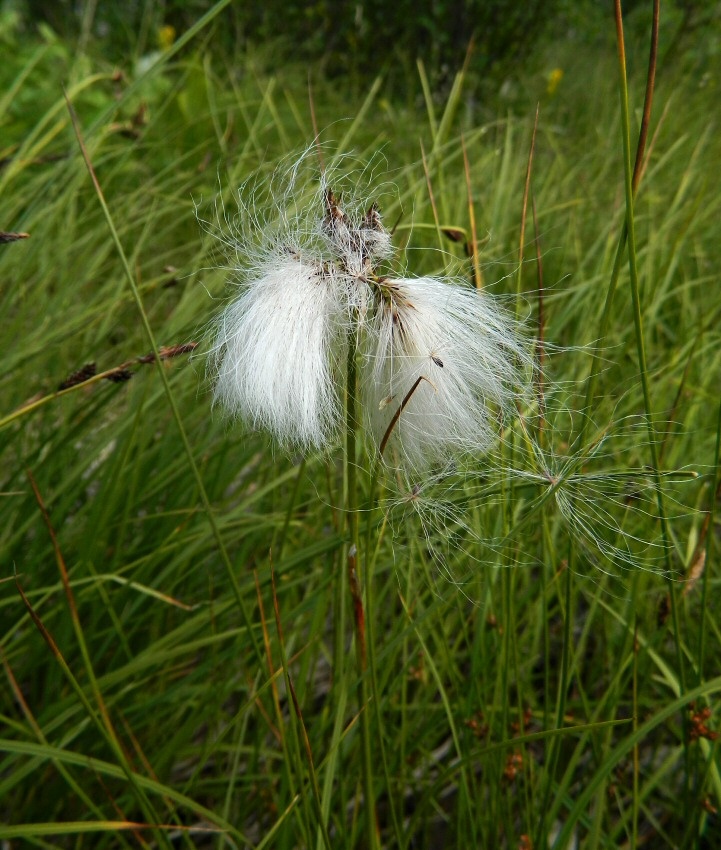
274, 349
441, 363
459, 356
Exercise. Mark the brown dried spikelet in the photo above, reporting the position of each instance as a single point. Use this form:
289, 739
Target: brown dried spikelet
6, 237
167, 352
83, 374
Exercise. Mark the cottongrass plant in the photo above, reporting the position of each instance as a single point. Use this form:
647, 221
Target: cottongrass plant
440, 369
440, 364
450, 358
274, 353
436, 366
322, 325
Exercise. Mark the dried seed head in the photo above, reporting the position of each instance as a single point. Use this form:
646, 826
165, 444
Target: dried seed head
88, 371
119, 376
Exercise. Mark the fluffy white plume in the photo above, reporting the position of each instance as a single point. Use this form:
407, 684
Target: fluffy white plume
449, 360
273, 353
441, 362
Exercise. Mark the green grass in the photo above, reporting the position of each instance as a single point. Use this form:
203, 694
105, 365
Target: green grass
147, 699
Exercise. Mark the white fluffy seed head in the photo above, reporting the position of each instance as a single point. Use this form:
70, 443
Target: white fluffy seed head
274, 352
442, 363
302, 257
462, 354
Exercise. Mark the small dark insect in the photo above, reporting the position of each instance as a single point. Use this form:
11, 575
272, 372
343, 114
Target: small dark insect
79, 377
437, 360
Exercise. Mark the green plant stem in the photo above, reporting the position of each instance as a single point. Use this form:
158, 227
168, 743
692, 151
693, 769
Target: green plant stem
638, 170
297, 729
633, 184
557, 740
643, 368
709, 549
351, 465
368, 564
638, 327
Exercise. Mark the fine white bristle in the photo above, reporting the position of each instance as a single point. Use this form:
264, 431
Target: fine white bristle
274, 353
439, 363
462, 354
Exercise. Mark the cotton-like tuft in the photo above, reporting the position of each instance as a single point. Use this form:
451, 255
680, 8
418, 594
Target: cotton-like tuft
462, 354
274, 352
438, 364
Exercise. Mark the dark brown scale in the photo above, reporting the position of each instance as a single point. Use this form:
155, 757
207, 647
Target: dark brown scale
397, 323
372, 219
335, 217
333, 211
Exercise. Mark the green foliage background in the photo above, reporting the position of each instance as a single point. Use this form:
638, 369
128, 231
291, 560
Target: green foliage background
535, 688
362, 40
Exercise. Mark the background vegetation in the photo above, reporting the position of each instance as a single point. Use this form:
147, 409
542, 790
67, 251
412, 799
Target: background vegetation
544, 661
358, 40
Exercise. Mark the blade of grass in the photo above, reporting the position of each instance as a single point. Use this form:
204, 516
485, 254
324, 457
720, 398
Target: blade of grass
360, 117
117, 750
622, 750
169, 393
34, 830
298, 733
524, 212
76, 787
640, 339
475, 259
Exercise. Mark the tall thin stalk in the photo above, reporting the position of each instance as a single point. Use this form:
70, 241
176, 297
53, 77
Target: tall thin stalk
351, 469
643, 367
638, 327
632, 181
